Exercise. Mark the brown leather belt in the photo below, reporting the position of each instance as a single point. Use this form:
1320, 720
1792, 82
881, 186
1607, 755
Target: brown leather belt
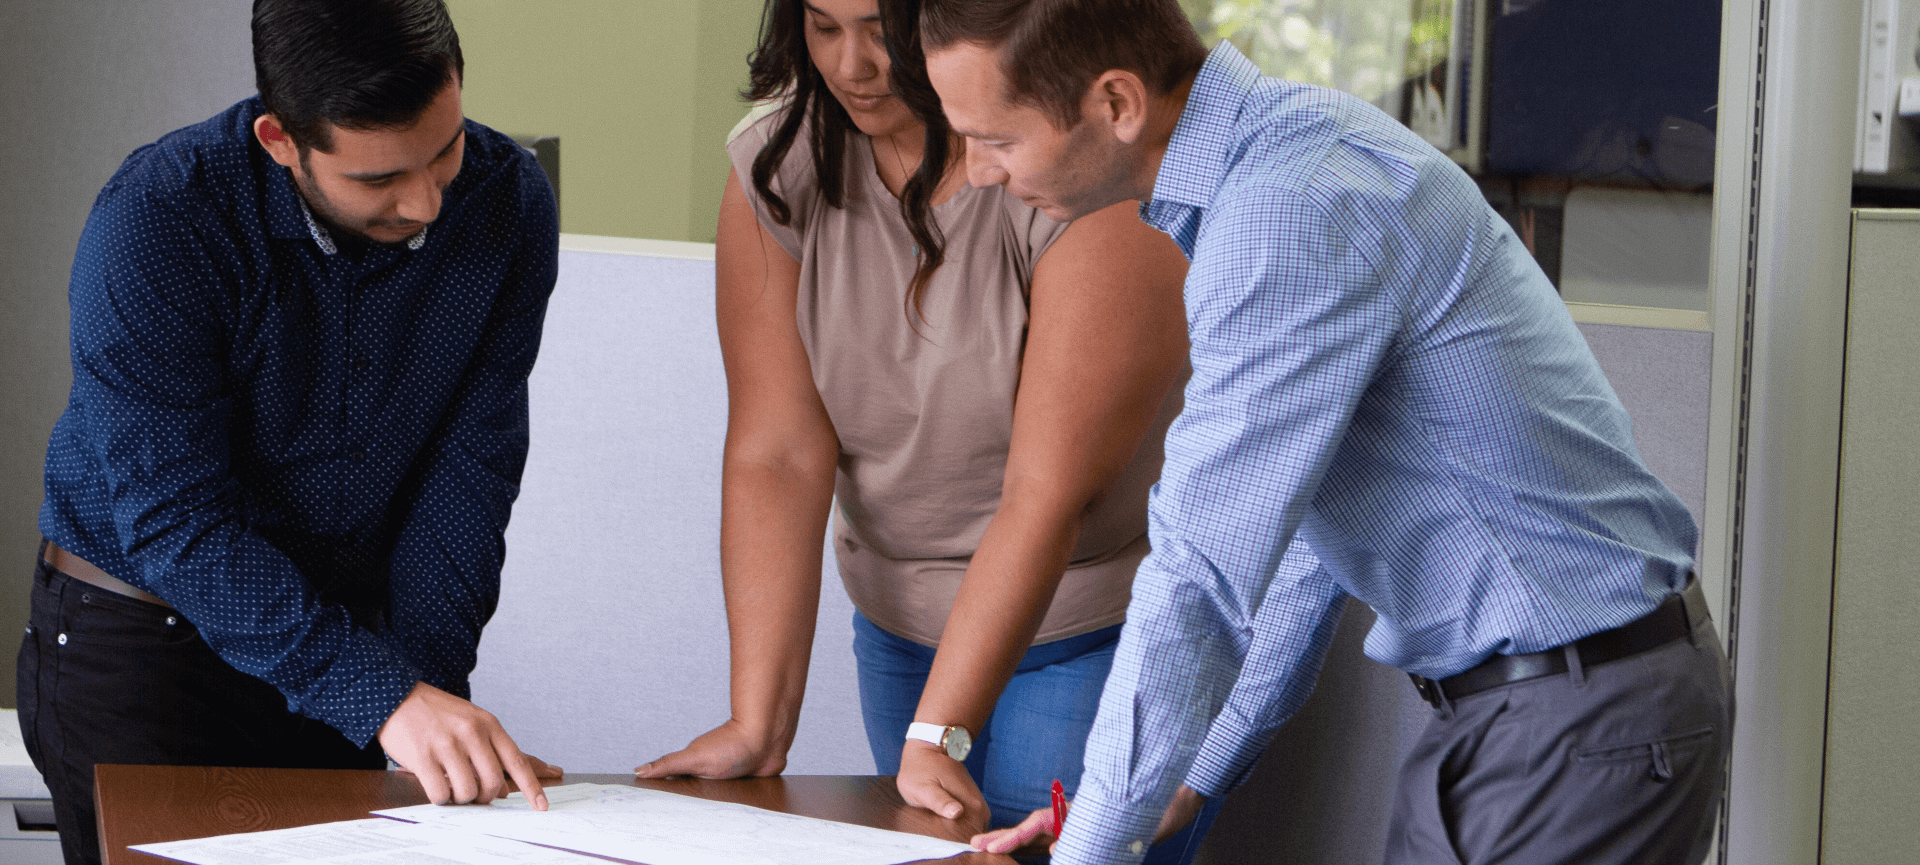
1676, 617
84, 571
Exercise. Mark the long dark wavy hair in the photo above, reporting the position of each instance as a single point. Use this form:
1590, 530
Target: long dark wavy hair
781, 67
907, 75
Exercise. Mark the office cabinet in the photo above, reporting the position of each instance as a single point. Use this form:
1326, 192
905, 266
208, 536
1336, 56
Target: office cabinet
26, 814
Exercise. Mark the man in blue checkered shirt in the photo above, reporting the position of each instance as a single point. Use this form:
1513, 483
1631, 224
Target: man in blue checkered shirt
1389, 402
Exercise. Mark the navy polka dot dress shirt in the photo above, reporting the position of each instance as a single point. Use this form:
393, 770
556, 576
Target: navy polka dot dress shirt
311, 452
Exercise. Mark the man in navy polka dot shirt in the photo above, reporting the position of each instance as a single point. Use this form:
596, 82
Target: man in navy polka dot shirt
301, 337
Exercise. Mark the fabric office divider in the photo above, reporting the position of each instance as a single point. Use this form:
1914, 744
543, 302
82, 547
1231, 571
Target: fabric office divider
610, 644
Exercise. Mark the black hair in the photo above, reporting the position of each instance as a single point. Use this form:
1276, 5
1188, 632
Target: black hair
355, 64
780, 66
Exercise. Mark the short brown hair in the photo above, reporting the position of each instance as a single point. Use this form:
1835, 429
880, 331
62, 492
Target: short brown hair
1051, 50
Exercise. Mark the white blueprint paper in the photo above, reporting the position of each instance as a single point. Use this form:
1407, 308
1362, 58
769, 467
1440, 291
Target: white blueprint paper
668, 829
361, 842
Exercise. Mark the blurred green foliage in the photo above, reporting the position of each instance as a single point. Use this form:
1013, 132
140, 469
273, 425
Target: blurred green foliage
1364, 47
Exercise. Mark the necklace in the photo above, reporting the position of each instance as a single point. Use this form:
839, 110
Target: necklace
905, 176
899, 161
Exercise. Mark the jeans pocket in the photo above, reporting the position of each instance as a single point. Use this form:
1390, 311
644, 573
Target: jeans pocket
37, 661
101, 618
26, 671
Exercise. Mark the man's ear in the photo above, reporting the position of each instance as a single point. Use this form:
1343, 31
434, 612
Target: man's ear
275, 139
1120, 99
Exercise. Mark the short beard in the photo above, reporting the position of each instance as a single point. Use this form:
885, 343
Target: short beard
325, 213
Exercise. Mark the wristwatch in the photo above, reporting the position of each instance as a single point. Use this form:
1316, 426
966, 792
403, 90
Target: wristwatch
955, 740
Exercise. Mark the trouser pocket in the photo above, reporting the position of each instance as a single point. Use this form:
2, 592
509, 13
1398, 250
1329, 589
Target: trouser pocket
1657, 756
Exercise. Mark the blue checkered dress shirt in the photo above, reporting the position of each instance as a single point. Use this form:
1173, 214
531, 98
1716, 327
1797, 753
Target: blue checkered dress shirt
1380, 370
309, 450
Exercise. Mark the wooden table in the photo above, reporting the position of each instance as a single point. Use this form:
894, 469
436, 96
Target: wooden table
148, 804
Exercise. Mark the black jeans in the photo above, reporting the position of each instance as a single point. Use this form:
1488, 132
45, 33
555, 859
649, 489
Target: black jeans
104, 678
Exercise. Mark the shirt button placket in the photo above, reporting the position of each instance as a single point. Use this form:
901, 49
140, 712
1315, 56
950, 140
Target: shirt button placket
358, 406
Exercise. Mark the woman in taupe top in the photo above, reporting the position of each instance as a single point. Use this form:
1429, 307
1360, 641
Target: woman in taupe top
981, 389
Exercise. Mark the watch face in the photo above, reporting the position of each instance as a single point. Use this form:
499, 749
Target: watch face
959, 743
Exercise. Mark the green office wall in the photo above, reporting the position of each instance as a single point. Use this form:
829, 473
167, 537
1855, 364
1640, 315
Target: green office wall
728, 32
1200, 11
641, 93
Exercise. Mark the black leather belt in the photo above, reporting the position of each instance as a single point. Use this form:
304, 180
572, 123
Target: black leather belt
1677, 617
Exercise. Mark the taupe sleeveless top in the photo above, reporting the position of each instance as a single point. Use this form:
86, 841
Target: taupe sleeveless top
925, 418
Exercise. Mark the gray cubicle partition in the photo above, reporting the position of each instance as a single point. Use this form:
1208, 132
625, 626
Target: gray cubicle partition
610, 645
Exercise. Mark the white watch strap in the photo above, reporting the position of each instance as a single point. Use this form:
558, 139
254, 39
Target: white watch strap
933, 734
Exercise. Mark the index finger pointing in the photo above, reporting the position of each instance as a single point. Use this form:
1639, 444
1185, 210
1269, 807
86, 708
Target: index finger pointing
520, 769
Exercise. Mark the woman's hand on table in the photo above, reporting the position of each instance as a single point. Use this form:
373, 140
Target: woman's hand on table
726, 751
1180, 812
932, 780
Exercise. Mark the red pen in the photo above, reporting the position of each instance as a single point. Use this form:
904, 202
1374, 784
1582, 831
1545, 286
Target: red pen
1059, 807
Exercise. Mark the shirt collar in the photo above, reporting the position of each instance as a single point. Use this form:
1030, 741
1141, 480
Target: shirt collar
1196, 157
325, 238
317, 231
287, 217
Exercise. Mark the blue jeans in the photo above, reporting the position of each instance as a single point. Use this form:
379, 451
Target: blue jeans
1037, 733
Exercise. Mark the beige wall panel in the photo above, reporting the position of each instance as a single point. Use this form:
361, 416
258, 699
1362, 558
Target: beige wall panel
1873, 767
